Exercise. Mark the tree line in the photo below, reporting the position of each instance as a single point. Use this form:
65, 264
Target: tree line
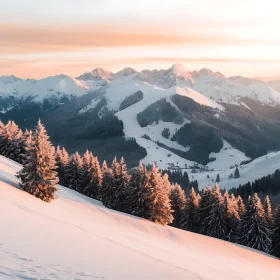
148, 194
267, 184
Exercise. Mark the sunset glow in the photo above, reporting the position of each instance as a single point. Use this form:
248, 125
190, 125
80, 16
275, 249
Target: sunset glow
233, 37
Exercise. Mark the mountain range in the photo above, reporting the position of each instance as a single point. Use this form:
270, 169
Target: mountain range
175, 117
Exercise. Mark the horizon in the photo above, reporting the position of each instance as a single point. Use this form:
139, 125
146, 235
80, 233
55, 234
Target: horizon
264, 79
45, 39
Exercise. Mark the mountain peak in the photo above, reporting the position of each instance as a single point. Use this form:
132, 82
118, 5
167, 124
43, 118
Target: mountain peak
209, 72
96, 74
127, 71
179, 70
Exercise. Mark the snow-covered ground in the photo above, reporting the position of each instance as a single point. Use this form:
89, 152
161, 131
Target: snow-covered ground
256, 169
75, 237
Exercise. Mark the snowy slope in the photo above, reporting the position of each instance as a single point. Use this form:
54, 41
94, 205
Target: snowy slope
258, 168
75, 237
54, 86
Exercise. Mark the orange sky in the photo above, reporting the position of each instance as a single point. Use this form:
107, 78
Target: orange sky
235, 38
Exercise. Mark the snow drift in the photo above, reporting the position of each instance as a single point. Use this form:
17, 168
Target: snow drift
75, 237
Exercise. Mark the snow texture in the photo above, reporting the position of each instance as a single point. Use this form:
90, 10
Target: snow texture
75, 237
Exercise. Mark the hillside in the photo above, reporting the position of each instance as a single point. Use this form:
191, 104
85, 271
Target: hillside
256, 169
75, 237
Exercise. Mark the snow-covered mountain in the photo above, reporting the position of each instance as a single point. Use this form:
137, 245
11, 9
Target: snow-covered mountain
156, 108
76, 237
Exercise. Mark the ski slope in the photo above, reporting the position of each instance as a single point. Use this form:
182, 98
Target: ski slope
75, 237
256, 169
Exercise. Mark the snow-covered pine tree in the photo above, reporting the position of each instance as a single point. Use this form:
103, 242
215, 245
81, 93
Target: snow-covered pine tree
62, 160
276, 233
121, 183
234, 202
9, 139
231, 216
217, 224
16, 147
203, 209
267, 211
178, 203
93, 176
106, 190
189, 218
240, 206
136, 192
158, 204
253, 230
27, 143
38, 175
75, 173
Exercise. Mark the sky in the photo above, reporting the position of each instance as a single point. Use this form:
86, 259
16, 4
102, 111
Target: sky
49, 37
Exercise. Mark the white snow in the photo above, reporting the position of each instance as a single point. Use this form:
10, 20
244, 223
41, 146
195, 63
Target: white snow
75, 237
258, 168
54, 86
227, 157
199, 98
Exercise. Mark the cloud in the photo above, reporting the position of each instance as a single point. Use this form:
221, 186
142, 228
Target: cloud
16, 38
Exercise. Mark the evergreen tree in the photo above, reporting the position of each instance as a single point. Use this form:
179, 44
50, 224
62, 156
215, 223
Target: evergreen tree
10, 140
158, 203
253, 229
231, 216
218, 178
234, 202
106, 190
120, 185
189, 218
178, 203
136, 193
62, 160
217, 224
93, 175
240, 206
203, 210
267, 211
75, 173
276, 233
27, 143
236, 173
38, 175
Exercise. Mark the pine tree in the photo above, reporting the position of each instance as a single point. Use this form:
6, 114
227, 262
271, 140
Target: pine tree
267, 211
121, 183
93, 175
231, 216
240, 206
136, 193
178, 203
75, 173
217, 224
234, 202
16, 147
276, 233
189, 218
27, 143
62, 160
203, 210
218, 178
38, 175
236, 173
158, 203
9, 140
106, 190
253, 229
